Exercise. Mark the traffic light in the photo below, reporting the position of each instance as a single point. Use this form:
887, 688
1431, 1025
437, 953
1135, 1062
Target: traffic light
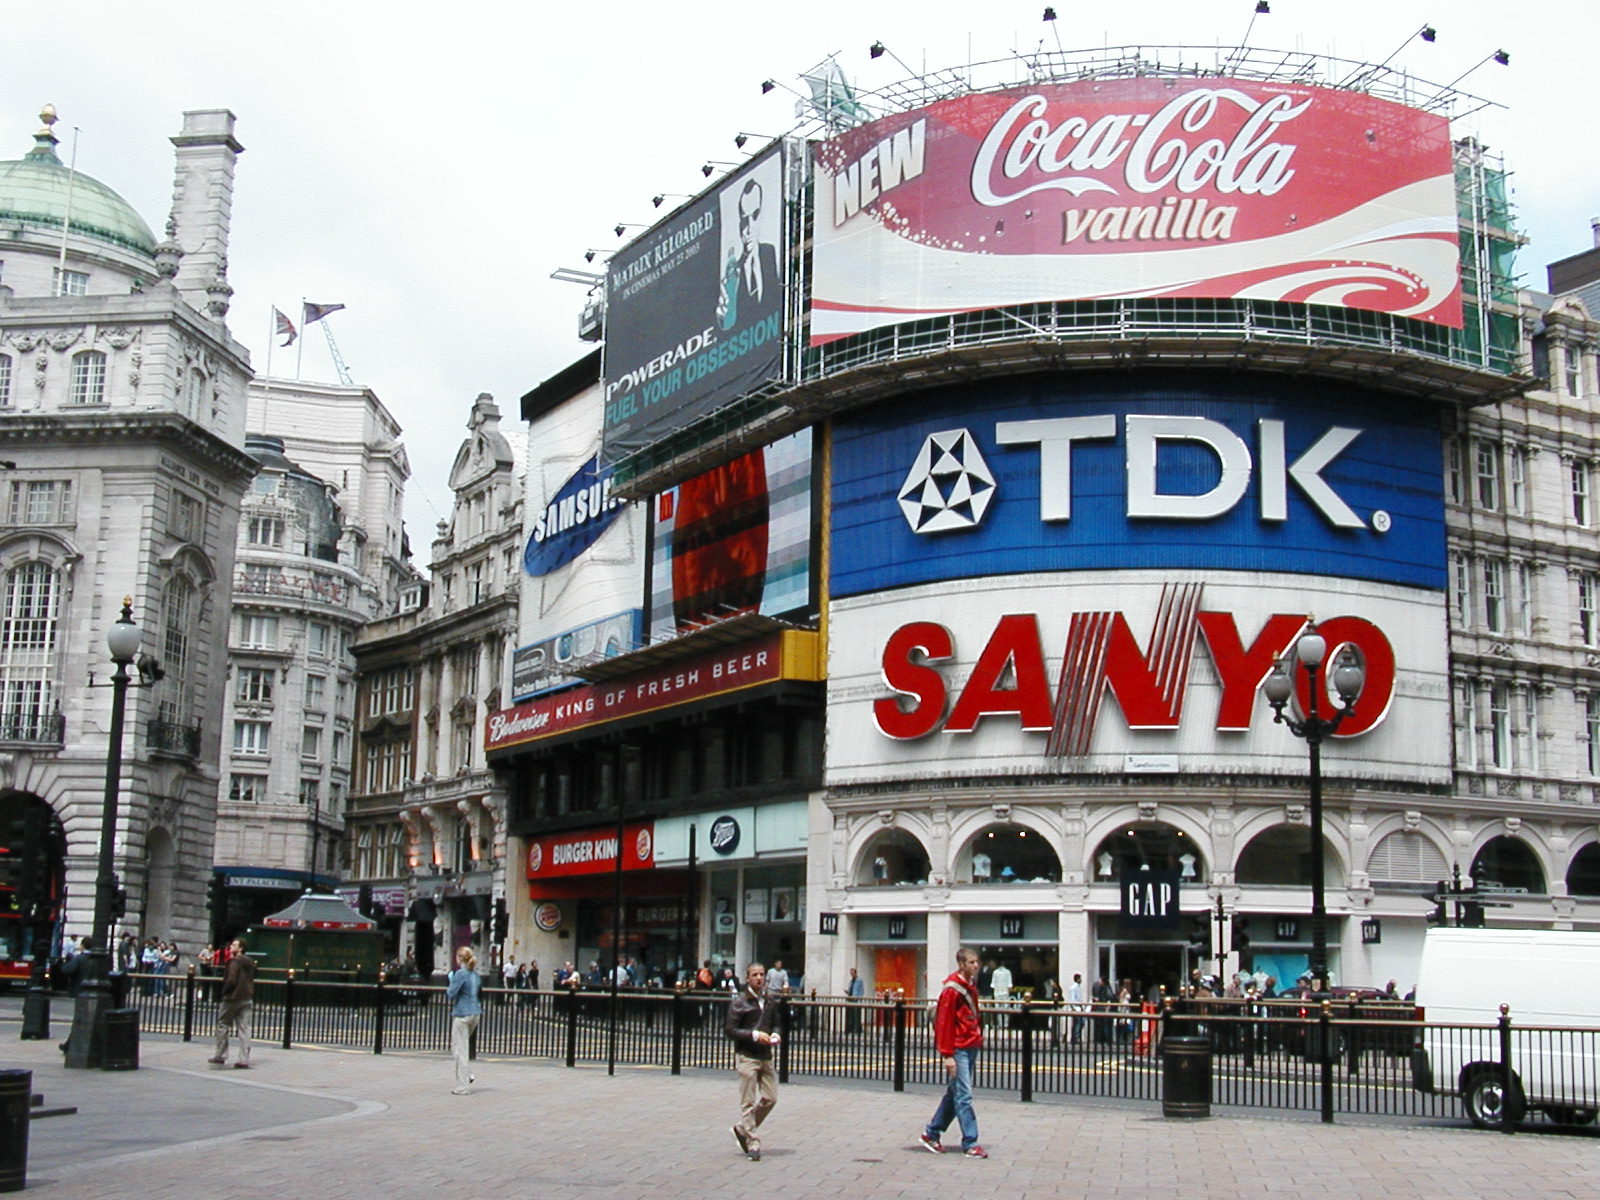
364, 900
1471, 915
1199, 936
216, 897
1241, 933
119, 899
1440, 914
502, 920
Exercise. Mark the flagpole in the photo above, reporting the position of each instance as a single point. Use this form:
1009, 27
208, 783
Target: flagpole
299, 355
272, 334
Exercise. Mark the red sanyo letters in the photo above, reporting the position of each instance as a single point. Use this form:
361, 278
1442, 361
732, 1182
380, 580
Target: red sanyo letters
1101, 654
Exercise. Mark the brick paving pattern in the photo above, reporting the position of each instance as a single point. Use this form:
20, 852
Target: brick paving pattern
348, 1125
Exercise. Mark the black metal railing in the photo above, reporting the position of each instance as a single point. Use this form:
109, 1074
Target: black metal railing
33, 728
173, 737
1368, 1059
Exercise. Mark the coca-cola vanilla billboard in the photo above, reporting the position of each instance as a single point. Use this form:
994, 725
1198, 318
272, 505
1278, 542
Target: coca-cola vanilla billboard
1146, 187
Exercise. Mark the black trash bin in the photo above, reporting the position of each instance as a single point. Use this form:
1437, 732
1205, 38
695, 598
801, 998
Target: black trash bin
1186, 1077
121, 1042
16, 1098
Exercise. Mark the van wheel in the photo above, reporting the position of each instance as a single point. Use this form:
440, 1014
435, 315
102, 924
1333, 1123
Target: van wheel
1562, 1115
1489, 1101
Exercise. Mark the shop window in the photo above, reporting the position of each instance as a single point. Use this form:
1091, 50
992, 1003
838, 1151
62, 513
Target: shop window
1508, 863
1281, 857
1008, 854
1150, 846
1583, 876
892, 857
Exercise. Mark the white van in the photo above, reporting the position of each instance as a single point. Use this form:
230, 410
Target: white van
1550, 979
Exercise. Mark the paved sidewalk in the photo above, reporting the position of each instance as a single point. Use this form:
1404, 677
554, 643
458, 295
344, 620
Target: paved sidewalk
346, 1125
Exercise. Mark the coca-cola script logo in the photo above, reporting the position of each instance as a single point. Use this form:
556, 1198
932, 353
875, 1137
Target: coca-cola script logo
1143, 186
1208, 137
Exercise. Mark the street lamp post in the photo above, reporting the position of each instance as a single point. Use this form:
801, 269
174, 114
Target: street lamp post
85, 1046
1348, 677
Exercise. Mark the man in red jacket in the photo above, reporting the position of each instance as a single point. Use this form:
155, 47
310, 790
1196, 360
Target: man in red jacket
957, 1035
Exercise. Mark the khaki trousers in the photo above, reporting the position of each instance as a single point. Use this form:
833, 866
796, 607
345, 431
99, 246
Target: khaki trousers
233, 1019
758, 1095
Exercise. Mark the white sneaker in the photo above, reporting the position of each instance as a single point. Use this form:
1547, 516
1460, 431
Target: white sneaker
460, 1091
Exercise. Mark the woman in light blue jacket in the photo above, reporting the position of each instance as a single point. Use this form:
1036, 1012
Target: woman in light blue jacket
464, 1012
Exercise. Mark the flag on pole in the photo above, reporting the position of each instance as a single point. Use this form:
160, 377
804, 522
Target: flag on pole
284, 326
310, 312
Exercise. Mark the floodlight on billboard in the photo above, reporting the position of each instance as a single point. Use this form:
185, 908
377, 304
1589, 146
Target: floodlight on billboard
695, 309
1147, 187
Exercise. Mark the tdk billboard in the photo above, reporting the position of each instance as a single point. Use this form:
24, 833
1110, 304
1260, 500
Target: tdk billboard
1099, 471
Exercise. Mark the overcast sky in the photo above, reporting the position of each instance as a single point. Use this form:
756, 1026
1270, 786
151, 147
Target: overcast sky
429, 167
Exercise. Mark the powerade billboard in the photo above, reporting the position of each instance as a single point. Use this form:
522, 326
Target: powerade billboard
695, 309
1166, 470
1142, 187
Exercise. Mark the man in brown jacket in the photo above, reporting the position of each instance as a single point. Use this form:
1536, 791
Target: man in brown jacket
237, 1007
749, 1026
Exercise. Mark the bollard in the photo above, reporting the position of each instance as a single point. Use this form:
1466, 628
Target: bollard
188, 1006
1186, 1077
899, 1012
378, 1017
120, 1040
677, 1031
16, 1097
1027, 1050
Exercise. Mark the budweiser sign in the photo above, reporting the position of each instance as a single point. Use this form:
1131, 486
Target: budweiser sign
1179, 187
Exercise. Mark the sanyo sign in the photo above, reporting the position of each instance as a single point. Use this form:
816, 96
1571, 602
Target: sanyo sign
1245, 475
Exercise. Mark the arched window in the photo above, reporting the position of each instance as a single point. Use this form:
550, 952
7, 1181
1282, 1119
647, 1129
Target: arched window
1406, 856
89, 378
1583, 876
1509, 863
177, 638
893, 856
1281, 857
29, 635
1151, 846
1008, 854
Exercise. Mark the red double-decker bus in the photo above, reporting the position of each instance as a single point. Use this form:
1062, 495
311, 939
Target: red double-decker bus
34, 841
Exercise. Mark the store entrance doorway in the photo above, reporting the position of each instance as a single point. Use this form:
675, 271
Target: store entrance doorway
1147, 966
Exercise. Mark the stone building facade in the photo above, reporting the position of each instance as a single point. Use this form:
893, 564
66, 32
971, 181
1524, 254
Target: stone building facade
122, 419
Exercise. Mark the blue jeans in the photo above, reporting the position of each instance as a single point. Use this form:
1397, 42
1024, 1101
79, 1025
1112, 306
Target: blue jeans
956, 1103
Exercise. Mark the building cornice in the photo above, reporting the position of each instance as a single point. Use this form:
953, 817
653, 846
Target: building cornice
125, 428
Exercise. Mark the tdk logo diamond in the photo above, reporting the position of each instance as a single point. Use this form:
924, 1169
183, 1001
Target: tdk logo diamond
949, 486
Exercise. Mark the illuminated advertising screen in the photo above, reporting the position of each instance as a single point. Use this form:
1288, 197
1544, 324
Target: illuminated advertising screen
695, 309
1201, 471
1147, 187
735, 539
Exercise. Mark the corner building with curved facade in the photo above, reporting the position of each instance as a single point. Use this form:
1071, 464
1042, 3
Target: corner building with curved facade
1064, 538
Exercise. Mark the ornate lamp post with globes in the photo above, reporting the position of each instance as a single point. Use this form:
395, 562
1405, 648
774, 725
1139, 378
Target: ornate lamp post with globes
1348, 677
85, 1044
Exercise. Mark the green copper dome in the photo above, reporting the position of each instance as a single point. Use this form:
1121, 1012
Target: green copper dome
33, 191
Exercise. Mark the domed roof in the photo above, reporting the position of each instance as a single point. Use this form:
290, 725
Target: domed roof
33, 191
